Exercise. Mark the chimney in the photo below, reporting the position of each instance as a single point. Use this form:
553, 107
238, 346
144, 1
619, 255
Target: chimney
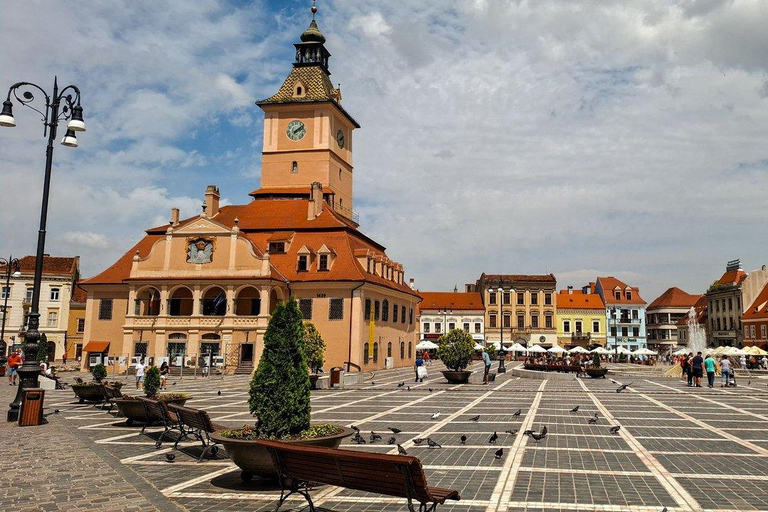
315, 207
455, 288
570, 290
212, 197
174, 217
412, 283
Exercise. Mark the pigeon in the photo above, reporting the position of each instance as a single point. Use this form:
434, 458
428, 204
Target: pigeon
408, 388
749, 383
664, 509
593, 419
543, 431
373, 383
401, 450
615, 429
56, 411
623, 387
463, 439
575, 409
432, 444
79, 380
394, 430
493, 438
499, 453
355, 428
170, 457
430, 389
512, 432
418, 441
218, 393
173, 383
517, 412
392, 440
401, 384
436, 415
358, 438
374, 436
538, 437
528, 432
475, 418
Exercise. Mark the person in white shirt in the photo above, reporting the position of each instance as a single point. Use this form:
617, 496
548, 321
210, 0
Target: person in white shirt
139, 372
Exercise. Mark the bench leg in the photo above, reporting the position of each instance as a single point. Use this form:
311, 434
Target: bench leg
427, 507
297, 490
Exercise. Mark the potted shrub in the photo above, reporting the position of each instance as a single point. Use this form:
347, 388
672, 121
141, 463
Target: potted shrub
133, 409
93, 391
315, 347
596, 371
279, 399
455, 351
99, 372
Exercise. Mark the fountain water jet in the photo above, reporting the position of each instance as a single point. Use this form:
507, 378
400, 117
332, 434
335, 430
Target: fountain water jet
697, 337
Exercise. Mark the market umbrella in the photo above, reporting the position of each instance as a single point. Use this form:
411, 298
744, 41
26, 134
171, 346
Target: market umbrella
517, 348
644, 352
755, 351
578, 350
680, 351
733, 351
557, 349
478, 346
426, 345
600, 350
622, 350
537, 349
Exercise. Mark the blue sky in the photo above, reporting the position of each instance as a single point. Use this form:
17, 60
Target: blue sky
578, 138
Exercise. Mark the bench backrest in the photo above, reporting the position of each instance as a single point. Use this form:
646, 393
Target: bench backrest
392, 475
155, 409
194, 418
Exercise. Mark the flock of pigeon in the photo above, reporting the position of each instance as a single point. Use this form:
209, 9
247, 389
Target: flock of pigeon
536, 436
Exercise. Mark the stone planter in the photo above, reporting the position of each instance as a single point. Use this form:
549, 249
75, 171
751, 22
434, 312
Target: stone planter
254, 460
456, 377
597, 373
89, 392
133, 410
313, 380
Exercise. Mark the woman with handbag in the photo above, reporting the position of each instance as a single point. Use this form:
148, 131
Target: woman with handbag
421, 370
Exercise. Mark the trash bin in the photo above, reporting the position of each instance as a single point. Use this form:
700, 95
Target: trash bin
31, 413
335, 375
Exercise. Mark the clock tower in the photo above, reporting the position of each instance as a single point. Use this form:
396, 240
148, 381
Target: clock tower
307, 133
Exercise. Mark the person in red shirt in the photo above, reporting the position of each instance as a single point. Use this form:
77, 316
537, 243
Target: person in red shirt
14, 361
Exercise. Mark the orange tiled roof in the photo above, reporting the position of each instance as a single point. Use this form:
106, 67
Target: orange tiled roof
51, 265
701, 312
264, 192
610, 283
121, 269
457, 301
759, 308
674, 298
577, 299
79, 296
548, 278
734, 277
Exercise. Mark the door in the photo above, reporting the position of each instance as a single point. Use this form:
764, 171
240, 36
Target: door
246, 353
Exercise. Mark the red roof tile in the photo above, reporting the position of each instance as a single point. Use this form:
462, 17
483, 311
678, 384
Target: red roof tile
457, 301
51, 265
79, 296
734, 277
674, 298
701, 312
610, 284
577, 299
548, 278
759, 308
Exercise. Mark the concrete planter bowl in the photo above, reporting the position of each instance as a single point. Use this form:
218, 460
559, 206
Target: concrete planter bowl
456, 377
254, 460
133, 410
91, 392
597, 373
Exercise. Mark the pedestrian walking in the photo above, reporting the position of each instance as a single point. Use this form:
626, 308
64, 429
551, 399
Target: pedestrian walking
419, 368
64, 359
697, 367
139, 372
725, 368
487, 361
426, 358
709, 366
164, 371
684, 367
13, 362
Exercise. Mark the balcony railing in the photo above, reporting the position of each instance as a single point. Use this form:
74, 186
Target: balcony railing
581, 336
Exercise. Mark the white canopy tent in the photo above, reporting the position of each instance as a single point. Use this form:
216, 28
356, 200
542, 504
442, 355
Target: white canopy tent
644, 352
600, 350
478, 346
517, 348
537, 349
620, 350
426, 345
733, 351
557, 349
578, 350
680, 351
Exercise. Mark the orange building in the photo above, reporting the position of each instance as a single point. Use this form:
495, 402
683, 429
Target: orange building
664, 313
207, 285
755, 321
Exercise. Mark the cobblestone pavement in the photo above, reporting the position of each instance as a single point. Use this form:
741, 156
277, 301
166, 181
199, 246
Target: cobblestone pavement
687, 449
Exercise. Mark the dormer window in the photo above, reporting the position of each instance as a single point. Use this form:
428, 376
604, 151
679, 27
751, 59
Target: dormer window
276, 247
299, 90
303, 264
629, 295
325, 257
618, 295
323, 262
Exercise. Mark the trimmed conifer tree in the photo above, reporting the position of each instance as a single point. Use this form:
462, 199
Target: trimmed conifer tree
151, 381
279, 394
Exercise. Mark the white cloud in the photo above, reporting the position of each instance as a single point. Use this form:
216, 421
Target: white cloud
86, 239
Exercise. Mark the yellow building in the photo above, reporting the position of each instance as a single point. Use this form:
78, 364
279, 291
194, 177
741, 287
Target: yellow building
207, 285
76, 324
580, 319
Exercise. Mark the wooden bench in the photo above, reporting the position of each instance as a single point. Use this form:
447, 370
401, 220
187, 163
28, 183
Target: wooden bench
110, 392
157, 410
300, 467
197, 423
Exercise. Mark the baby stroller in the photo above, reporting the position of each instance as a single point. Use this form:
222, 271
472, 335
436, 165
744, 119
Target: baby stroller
732, 378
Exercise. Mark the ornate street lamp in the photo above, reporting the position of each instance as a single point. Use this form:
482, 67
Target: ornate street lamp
12, 269
502, 354
71, 111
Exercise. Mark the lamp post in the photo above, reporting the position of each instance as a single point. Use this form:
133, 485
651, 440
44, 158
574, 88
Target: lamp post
502, 368
616, 336
12, 268
71, 111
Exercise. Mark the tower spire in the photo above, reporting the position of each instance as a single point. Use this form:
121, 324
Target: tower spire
314, 8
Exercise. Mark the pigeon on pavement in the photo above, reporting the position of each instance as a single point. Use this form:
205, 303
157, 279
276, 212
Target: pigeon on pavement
538, 437
392, 440
593, 419
575, 409
218, 393
463, 439
499, 453
374, 436
518, 412
430, 390
394, 430
614, 429
432, 444
475, 418
418, 441
401, 450
358, 438
623, 387
170, 457
436, 415
401, 384
355, 428
512, 432
493, 438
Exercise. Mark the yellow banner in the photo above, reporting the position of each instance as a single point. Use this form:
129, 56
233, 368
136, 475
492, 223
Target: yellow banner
371, 333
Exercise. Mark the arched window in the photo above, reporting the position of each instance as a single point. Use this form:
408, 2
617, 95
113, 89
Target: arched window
180, 302
177, 347
214, 302
402, 350
365, 354
298, 91
248, 302
209, 347
389, 349
385, 311
295, 168
376, 352
410, 350
147, 302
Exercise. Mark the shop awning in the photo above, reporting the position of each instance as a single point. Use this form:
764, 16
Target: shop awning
96, 346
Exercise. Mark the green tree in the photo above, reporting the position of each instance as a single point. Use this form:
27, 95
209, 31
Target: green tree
455, 349
596, 360
279, 394
42, 349
99, 372
152, 381
315, 347
492, 352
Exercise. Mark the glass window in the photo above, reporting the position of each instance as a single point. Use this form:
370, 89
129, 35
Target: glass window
478, 327
466, 326
410, 322
410, 350
336, 309
437, 327
6, 292
55, 294
595, 326
492, 321
426, 327
105, 309
303, 264
520, 298
365, 353
507, 321
376, 352
521, 321
534, 298
402, 315
276, 247
492, 298
625, 331
389, 349
618, 295
402, 350
30, 292
394, 313
367, 312
578, 326
635, 332
548, 299
629, 295
451, 326
506, 297
535, 321
762, 331
385, 311
548, 321
305, 305
323, 262
613, 332
376, 310
81, 325
566, 326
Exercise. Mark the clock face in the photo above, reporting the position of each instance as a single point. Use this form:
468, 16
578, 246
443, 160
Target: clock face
296, 130
340, 139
